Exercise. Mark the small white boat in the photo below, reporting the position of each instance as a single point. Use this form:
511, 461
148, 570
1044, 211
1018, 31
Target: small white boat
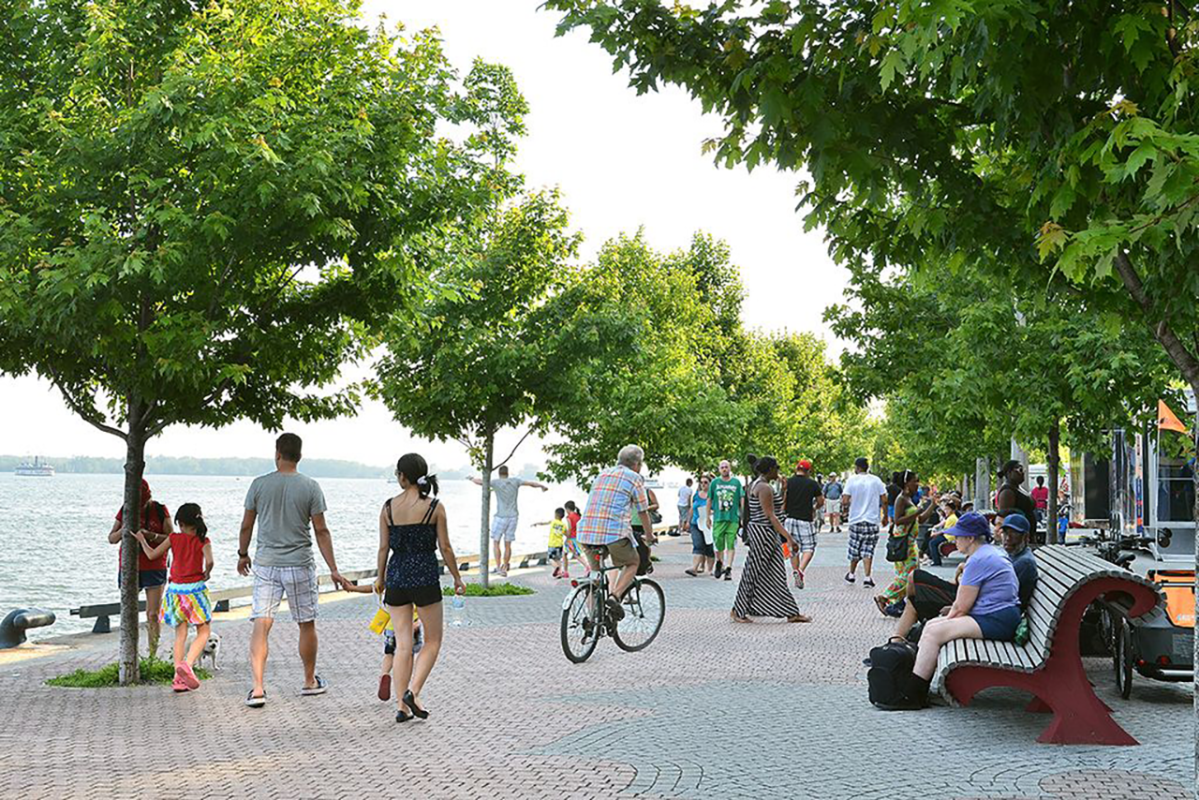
34, 469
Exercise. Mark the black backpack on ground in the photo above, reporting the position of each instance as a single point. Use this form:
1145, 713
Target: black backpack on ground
890, 675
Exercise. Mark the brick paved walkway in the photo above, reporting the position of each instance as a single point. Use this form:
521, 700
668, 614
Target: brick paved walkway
710, 710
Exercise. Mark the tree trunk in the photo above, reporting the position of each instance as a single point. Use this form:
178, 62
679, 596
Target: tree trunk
982, 484
135, 463
485, 519
1195, 515
1054, 465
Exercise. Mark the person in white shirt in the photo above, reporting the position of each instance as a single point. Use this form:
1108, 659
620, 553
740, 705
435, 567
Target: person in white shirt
684, 506
862, 500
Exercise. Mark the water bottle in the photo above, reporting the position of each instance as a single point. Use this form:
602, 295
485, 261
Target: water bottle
457, 612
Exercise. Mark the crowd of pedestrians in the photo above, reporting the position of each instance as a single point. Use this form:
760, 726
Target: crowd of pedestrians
776, 520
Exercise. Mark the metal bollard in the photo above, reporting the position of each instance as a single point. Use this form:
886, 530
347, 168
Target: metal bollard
12, 629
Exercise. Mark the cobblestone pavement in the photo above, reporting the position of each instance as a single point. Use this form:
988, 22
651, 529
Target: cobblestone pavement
709, 710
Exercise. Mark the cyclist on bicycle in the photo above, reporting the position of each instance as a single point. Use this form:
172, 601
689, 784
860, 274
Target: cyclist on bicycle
617, 493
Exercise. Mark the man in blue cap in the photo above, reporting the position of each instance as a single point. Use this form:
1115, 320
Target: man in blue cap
1015, 542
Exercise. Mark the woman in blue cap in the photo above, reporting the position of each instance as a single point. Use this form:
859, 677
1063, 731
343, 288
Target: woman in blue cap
987, 605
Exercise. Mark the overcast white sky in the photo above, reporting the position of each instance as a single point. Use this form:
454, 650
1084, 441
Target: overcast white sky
621, 161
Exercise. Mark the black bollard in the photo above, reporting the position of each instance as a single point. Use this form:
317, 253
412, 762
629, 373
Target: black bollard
12, 629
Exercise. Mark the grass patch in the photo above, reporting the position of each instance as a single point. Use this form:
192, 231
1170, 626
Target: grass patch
495, 590
152, 671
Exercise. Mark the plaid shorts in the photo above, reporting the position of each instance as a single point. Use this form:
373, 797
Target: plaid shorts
863, 538
803, 532
298, 584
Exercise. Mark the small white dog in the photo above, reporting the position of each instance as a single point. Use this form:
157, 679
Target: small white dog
212, 651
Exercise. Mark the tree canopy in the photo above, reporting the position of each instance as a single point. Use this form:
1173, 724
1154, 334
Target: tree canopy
940, 133
205, 209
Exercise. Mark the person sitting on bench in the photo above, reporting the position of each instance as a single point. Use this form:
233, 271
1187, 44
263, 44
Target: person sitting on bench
986, 606
1015, 542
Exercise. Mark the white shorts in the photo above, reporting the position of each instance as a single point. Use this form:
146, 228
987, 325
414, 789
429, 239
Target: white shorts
298, 584
503, 528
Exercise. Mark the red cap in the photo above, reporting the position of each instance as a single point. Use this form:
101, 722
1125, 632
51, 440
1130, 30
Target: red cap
804, 464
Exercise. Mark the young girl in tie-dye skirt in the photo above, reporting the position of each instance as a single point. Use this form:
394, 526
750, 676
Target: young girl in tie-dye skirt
186, 601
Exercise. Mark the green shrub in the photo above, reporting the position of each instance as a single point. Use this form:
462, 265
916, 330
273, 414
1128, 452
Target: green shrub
496, 590
152, 671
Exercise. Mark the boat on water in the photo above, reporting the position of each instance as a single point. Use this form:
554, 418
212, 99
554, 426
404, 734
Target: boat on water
34, 469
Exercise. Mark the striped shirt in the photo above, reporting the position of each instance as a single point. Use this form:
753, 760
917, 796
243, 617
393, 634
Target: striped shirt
617, 493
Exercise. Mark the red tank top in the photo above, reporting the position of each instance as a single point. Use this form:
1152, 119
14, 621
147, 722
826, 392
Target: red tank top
153, 520
187, 558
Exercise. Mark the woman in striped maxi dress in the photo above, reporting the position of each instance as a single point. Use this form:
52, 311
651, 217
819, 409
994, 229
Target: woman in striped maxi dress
763, 590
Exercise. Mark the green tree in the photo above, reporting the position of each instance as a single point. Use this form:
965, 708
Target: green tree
971, 362
494, 352
663, 391
203, 209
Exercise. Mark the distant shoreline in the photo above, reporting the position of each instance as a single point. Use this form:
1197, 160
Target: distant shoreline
213, 467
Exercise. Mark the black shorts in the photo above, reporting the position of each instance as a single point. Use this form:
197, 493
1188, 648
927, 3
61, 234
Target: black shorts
147, 578
931, 594
416, 595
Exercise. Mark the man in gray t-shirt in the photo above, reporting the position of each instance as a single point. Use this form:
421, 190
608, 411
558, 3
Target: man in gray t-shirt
283, 504
503, 524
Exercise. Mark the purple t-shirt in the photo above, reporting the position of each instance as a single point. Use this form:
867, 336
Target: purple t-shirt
991, 571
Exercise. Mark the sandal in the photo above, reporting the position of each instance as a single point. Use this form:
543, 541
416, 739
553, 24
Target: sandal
320, 688
799, 618
882, 604
735, 618
255, 702
691, 572
384, 687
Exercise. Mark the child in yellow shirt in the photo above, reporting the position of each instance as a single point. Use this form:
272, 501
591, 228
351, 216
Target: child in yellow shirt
556, 542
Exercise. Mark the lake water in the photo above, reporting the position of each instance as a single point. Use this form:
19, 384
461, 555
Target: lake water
54, 550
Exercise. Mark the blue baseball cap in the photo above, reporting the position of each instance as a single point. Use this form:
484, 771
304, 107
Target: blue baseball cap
971, 523
1017, 522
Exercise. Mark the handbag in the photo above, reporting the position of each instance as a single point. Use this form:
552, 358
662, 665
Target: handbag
898, 546
382, 618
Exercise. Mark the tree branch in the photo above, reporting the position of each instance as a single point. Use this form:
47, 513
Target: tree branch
1182, 357
514, 449
87, 415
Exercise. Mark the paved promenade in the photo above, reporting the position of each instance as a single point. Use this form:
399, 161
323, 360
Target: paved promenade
710, 710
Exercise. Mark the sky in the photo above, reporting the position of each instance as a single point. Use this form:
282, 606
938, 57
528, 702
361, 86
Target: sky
622, 162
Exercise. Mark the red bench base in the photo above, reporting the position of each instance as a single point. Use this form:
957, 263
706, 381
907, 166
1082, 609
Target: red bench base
1061, 685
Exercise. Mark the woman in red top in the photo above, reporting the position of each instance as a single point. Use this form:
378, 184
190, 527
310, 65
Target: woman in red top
151, 572
187, 601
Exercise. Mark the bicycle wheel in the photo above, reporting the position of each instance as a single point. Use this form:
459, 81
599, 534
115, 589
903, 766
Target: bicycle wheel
644, 610
580, 631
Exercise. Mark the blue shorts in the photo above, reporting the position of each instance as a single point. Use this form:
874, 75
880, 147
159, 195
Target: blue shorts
147, 578
999, 625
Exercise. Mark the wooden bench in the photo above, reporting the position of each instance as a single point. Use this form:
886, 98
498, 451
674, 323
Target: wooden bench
1050, 666
102, 612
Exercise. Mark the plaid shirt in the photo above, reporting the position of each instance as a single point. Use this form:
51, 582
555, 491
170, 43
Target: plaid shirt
615, 495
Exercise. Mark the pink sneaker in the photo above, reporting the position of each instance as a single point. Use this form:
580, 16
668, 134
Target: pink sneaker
185, 674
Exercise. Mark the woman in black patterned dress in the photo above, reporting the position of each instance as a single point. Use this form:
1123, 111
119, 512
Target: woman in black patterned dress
763, 591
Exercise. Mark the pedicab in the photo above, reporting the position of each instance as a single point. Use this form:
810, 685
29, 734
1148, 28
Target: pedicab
1151, 530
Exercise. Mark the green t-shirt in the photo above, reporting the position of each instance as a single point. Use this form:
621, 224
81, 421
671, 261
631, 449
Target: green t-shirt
726, 499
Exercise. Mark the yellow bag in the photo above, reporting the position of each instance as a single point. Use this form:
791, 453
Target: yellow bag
381, 619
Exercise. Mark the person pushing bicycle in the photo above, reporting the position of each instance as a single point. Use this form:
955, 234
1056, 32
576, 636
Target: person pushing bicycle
617, 493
